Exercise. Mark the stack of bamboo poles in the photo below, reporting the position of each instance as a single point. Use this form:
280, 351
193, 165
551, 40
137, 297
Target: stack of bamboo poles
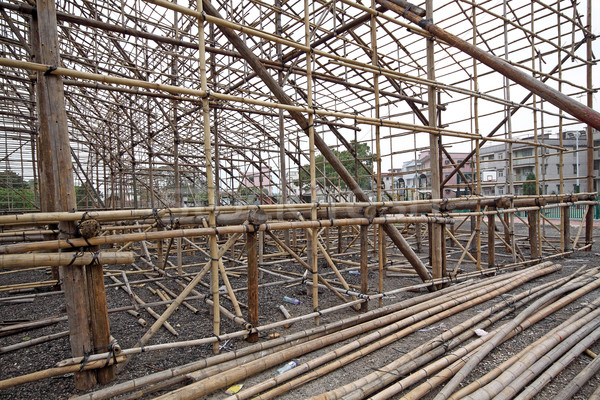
426, 367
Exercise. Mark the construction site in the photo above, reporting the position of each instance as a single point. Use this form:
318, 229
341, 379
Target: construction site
299, 199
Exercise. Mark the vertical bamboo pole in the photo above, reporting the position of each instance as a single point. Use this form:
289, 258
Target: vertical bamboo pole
251, 247
313, 176
510, 172
589, 222
214, 251
281, 120
435, 244
564, 211
176, 142
378, 228
536, 218
58, 191
477, 144
364, 265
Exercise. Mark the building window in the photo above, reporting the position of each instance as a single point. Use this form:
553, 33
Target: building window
500, 173
446, 162
500, 190
575, 168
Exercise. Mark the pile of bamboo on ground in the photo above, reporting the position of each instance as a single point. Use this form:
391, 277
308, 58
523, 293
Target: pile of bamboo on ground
427, 367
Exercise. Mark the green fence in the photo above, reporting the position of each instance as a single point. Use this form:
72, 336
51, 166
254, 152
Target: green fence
575, 212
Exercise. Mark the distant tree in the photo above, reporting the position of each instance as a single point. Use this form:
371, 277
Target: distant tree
529, 186
328, 176
15, 193
12, 180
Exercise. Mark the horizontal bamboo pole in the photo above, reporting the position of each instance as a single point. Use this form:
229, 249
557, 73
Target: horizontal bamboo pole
274, 209
65, 259
58, 371
176, 233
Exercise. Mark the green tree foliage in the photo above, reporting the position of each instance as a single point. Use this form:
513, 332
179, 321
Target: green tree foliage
12, 180
15, 193
529, 186
328, 176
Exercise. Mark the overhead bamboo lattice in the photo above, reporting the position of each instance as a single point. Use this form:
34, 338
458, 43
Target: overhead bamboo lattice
203, 157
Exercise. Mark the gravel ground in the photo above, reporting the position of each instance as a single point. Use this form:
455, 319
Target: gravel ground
127, 331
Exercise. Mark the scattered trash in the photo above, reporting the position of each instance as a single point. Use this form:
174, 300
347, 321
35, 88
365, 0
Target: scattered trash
291, 300
286, 367
234, 389
480, 332
222, 289
440, 326
274, 335
354, 272
26, 338
225, 346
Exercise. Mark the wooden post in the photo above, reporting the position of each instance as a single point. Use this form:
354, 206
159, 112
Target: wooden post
251, 248
492, 239
99, 316
532, 219
589, 222
565, 220
435, 243
364, 264
57, 187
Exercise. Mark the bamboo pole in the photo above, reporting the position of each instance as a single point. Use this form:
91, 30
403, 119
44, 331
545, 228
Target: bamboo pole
65, 259
393, 332
57, 371
489, 346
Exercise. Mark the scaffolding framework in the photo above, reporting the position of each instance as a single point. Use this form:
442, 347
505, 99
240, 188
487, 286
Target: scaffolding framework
239, 127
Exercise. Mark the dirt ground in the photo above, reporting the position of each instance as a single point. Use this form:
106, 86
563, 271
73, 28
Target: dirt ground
127, 331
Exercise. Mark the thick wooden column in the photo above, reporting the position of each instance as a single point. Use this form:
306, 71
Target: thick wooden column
251, 248
56, 180
99, 316
435, 244
533, 217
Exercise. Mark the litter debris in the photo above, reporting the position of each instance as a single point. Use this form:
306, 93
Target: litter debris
291, 300
354, 272
440, 326
480, 332
286, 367
235, 388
